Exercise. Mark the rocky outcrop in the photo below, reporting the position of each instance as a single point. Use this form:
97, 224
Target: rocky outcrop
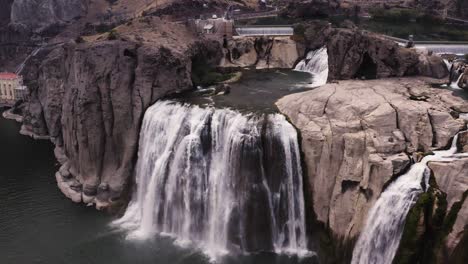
261, 52
355, 53
452, 179
40, 15
90, 99
458, 8
358, 135
5, 12
309, 9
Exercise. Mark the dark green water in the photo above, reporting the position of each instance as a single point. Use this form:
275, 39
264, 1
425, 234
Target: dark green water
39, 225
256, 91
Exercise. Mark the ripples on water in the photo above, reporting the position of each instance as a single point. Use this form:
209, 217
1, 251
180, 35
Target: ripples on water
39, 225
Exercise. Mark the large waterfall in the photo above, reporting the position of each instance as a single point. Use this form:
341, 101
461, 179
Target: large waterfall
219, 180
380, 237
316, 63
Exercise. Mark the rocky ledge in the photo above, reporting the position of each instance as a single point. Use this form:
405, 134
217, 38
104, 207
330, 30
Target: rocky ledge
357, 136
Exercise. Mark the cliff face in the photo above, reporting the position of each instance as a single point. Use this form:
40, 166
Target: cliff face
355, 53
358, 135
262, 53
5, 12
90, 99
39, 14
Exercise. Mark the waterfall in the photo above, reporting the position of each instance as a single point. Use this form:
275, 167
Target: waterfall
218, 179
456, 74
380, 237
455, 84
316, 63
20, 68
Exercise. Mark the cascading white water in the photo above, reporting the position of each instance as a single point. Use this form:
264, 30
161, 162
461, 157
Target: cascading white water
316, 63
380, 237
20, 68
220, 179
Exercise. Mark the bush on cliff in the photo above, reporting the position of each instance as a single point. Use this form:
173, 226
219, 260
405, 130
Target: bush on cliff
204, 74
113, 35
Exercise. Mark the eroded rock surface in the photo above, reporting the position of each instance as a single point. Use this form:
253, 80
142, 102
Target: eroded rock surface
261, 53
355, 53
357, 135
40, 14
90, 99
452, 179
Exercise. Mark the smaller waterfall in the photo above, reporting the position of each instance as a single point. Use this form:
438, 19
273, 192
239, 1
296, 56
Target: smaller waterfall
316, 63
20, 68
218, 179
455, 84
380, 237
456, 73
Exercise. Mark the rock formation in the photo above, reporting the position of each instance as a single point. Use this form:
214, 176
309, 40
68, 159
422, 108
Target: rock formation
261, 53
358, 135
355, 53
40, 15
90, 99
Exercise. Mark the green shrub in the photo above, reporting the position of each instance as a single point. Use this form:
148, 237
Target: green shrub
79, 39
113, 35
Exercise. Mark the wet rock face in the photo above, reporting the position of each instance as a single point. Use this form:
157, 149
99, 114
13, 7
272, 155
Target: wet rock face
39, 14
261, 53
358, 135
90, 99
354, 53
458, 8
452, 179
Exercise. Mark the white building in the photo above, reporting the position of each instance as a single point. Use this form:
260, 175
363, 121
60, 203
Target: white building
11, 88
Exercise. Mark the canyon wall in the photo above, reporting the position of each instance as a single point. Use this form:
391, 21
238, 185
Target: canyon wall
39, 14
357, 136
90, 98
262, 53
355, 53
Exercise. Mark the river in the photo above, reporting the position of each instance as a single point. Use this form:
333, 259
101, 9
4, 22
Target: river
40, 225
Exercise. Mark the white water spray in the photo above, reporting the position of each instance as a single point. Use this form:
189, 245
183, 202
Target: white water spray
380, 237
219, 180
316, 63
20, 68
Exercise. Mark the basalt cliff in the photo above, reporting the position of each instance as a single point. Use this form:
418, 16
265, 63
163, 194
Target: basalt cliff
100, 64
358, 136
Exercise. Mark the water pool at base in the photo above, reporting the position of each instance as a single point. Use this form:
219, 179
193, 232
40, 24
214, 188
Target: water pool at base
40, 225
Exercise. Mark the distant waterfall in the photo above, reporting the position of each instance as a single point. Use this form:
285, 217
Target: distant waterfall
316, 63
456, 74
380, 238
20, 68
219, 179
